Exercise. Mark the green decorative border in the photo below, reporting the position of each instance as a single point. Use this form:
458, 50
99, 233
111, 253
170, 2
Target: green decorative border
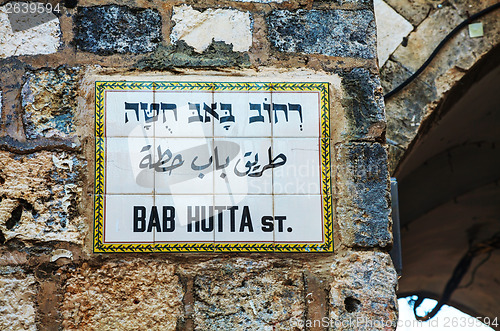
99, 175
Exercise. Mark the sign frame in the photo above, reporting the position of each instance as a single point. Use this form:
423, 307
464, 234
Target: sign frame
100, 164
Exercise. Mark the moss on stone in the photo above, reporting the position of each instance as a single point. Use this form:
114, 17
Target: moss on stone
218, 54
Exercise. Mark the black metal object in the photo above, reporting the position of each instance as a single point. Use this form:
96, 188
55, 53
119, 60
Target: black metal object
396, 229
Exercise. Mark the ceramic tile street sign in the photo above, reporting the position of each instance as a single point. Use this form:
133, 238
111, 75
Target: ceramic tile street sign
212, 167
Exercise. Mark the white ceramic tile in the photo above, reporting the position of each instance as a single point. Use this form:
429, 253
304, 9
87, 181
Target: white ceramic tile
301, 172
127, 219
192, 116
128, 165
186, 166
302, 220
129, 113
242, 218
296, 114
192, 218
243, 114
246, 171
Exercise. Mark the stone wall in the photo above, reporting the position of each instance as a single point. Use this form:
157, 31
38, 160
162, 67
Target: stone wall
51, 277
430, 21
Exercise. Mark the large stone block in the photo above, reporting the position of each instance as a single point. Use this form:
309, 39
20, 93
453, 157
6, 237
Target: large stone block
343, 33
405, 110
364, 105
363, 193
391, 29
49, 102
40, 194
136, 295
17, 302
248, 295
363, 293
413, 10
44, 38
218, 54
106, 30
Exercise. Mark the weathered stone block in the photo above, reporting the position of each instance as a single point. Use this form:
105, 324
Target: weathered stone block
407, 109
106, 30
39, 200
136, 295
364, 105
263, 1
343, 33
44, 38
344, 2
363, 293
198, 29
248, 295
49, 102
17, 302
363, 193
413, 10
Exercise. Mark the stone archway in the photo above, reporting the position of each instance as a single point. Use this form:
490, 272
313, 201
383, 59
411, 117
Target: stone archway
443, 131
